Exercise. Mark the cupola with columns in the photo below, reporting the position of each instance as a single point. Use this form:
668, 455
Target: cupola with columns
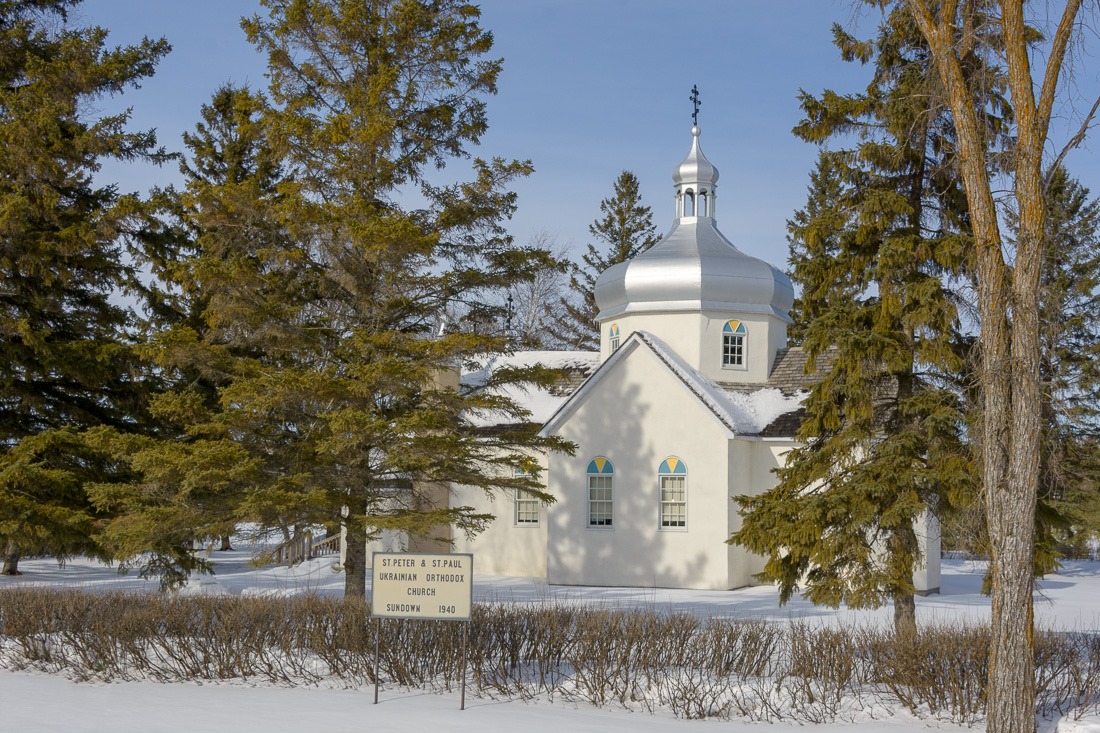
723, 311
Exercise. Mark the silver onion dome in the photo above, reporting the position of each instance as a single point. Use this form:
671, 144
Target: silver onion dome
695, 166
694, 267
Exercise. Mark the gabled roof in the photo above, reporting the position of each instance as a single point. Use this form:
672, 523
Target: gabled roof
575, 367
740, 412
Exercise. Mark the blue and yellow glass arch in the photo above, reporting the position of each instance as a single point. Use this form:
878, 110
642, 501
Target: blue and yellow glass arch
672, 466
734, 326
613, 336
600, 465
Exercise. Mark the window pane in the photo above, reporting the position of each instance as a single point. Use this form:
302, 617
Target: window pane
673, 501
526, 508
733, 350
599, 501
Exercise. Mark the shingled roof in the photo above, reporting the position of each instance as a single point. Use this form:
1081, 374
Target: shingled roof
790, 377
789, 372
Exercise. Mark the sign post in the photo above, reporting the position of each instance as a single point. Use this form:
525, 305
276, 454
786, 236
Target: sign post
422, 586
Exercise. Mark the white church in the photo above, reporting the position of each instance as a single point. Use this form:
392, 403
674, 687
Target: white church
694, 397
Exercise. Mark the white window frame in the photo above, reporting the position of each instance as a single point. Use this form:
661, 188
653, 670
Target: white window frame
521, 506
668, 520
735, 345
524, 507
605, 517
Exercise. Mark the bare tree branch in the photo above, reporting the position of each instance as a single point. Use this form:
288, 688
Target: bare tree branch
1077, 139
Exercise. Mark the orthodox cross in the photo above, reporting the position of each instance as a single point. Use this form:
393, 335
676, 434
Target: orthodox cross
695, 104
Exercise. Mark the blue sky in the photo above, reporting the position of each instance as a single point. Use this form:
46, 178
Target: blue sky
589, 88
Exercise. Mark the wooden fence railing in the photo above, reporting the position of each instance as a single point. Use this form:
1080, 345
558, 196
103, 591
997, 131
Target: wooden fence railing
303, 548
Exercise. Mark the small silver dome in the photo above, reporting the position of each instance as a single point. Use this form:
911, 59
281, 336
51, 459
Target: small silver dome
694, 267
695, 168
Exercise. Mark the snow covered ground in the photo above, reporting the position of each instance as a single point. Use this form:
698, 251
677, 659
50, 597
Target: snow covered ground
1069, 600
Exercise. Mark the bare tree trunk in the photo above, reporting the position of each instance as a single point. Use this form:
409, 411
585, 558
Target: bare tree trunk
11, 558
1011, 702
355, 566
905, 616
1010, 371
355, 559
226, 546
902, 553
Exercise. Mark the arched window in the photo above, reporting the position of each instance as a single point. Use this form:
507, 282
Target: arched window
600, 475
613, 336
689, 203
734, 336
672, 485
525, 506
704, 201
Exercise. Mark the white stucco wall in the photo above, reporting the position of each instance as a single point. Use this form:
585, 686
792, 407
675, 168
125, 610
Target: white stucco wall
697, 337
766, 335
635, 551
390, 541
926, 576
766, 455
681, 331
752, 464
504, 548
638, 414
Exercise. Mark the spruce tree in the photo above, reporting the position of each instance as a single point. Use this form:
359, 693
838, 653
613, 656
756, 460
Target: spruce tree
624, 230
1068, 483
318, 298
874, 252
365, 98
190, 476
67, 361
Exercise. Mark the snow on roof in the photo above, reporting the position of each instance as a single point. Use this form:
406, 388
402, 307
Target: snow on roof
539, 401
747, 413
578, 360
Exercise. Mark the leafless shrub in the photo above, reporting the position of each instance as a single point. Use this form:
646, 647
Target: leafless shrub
1067, 673
30, 620
339, 635
822, 672
691, 689
635, 659
519, 651
941, 670
743, 647
603, 655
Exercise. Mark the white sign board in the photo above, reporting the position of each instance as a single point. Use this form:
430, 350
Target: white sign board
422, 586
